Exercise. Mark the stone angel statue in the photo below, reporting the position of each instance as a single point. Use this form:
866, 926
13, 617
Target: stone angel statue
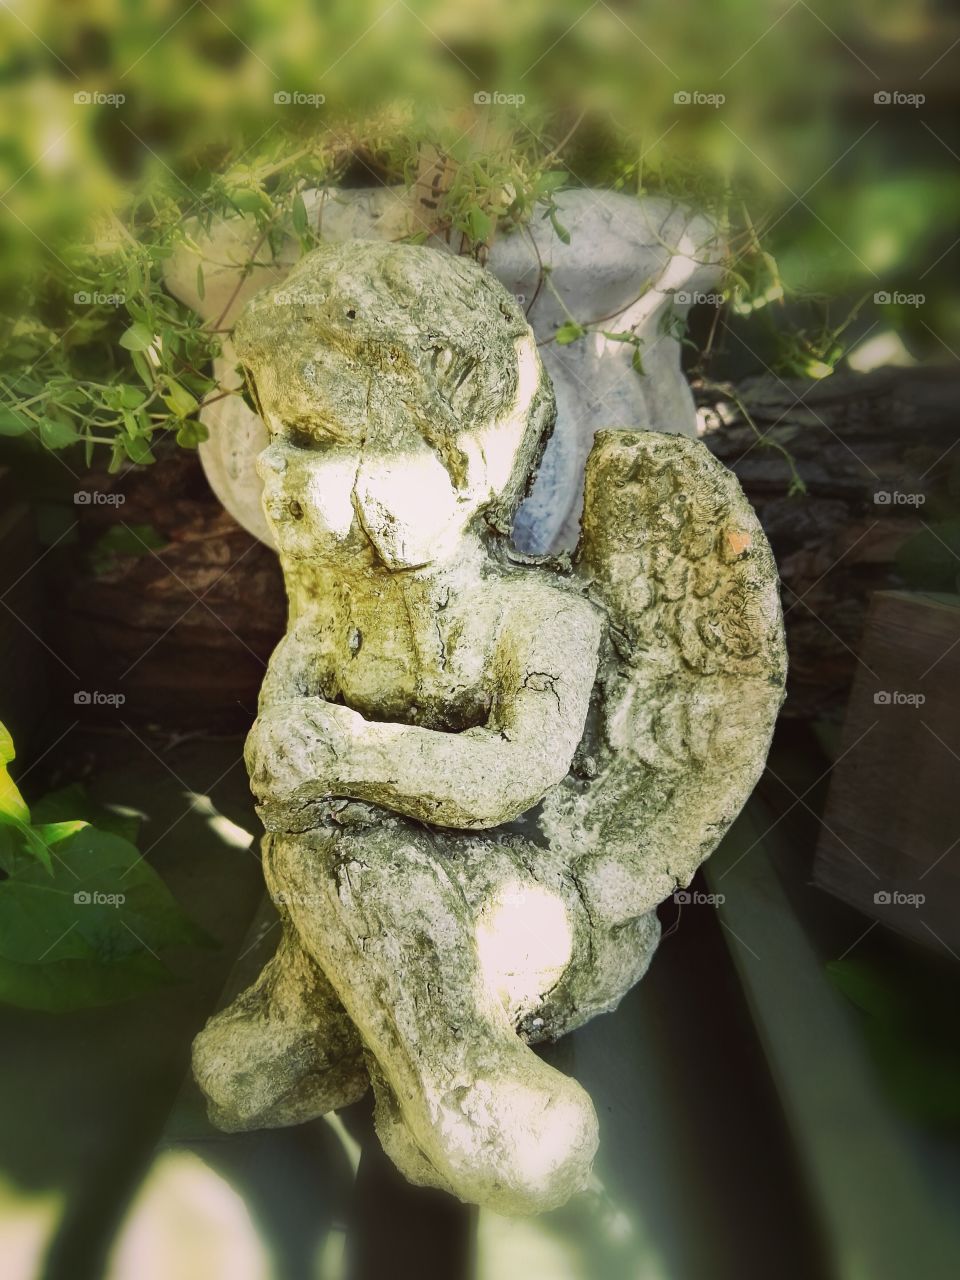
479, 772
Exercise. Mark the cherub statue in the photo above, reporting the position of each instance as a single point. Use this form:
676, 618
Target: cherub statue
479, 773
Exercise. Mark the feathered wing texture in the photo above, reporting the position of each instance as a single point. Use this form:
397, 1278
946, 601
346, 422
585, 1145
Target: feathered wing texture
691, 684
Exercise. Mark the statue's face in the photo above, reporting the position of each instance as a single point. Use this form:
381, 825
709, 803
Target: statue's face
365, 474
398, 385
323, 503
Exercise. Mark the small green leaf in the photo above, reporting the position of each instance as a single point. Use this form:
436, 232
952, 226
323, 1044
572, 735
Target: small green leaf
137, 338
178, 399
558, 227
134, 281
479, 224
201, 283
138, 450
249, 200
130, 397
11, 424
143, 369
53, 832
300, 221
191, 433
637, 361
549, 182
12, 802
58, 433
568, 333
118, 456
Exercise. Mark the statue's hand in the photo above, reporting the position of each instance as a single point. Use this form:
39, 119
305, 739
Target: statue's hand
305, 742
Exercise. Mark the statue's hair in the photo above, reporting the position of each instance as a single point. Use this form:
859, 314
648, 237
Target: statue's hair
440, 321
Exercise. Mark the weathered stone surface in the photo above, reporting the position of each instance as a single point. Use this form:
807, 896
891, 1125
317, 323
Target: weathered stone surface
480, 771
630, 263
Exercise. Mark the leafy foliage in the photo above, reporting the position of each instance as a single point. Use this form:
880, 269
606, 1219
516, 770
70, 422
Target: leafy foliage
82, 914
95, 353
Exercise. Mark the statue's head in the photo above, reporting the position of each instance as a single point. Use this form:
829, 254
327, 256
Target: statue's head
404, 396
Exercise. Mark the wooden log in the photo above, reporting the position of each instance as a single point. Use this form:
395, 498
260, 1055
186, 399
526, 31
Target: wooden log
184, 629
852, 439
23, 691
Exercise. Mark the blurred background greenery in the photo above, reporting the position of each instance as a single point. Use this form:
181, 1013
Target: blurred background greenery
820, 137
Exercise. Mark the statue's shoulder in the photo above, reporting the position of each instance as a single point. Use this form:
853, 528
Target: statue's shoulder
546, 598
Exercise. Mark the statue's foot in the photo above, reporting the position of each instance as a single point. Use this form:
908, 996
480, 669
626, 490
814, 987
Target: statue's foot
283, 1052
396, 1138
378, 912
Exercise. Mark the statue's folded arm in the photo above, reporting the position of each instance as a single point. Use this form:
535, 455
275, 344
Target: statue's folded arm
545, 664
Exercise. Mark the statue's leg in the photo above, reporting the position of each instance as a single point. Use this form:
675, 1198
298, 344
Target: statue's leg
620, 956
555, 964
283, 1052
380, 914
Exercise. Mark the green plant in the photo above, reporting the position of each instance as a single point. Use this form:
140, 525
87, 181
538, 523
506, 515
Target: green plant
82, 913
815, 207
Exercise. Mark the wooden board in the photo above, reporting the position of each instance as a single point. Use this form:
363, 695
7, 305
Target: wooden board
890, 841
883, 1193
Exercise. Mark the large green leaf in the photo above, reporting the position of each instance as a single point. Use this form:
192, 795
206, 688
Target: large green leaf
74, 801
12, 803
80, 984
103, 901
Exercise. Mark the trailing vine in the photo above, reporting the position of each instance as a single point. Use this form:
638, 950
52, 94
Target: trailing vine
100, 356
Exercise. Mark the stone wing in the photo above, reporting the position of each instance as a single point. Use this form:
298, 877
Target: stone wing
691, 679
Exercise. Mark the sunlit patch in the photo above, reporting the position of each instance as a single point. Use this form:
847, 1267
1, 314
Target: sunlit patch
589, 1236
524, 941
350, 1146
500, 441
27, 1225
229, 832
55, 147
743, 306
410, 508
188, 1221
882, 349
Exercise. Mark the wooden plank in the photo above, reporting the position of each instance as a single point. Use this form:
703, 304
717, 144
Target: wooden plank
875, 1190
889, 843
